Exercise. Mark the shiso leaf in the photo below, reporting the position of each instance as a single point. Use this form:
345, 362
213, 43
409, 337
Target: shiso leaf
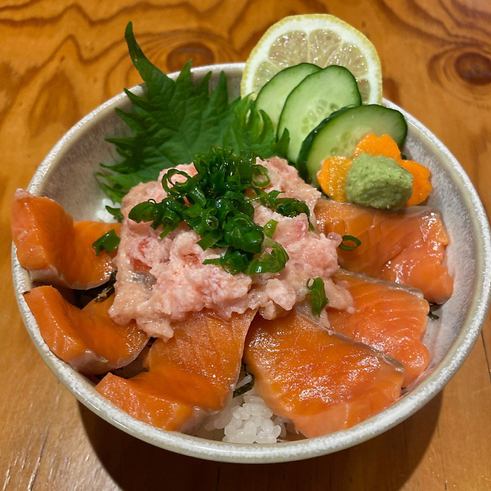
173, 121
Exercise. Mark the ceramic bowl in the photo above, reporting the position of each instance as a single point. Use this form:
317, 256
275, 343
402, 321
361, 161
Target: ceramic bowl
67, 175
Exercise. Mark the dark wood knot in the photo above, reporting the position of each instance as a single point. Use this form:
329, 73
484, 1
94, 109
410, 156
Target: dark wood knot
474, 68
199, 53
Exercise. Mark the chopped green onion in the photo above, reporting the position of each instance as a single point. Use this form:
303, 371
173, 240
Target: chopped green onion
288, 207
176, 188
217, 203
108, 242
260, 177
232, 261
270, 228
115, 212
269, 262
318, 299
240, 232
350, 243
143, 212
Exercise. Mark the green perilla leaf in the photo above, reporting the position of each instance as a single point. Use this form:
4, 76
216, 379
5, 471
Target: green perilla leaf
173, 121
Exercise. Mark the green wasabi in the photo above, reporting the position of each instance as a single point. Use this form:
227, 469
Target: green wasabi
378, 182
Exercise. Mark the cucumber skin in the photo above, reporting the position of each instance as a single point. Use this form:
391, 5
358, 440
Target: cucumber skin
309, 140
269, 84
282, 125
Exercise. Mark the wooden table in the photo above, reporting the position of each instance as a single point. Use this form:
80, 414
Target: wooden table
60, 59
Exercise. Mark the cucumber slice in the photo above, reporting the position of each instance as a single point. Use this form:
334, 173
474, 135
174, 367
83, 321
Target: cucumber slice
312, 100
339, 133
272, 96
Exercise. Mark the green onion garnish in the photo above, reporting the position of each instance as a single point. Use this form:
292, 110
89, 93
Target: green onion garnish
217, 203
270, 228
269, 262
115, 212
108, 242
260, 177
232, 261
288, 207
350, 243
318, 299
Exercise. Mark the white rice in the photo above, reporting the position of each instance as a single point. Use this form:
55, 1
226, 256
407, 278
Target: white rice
102, 215
247, 419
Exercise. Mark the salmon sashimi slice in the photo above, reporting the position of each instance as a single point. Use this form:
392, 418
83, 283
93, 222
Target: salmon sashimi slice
405, 247
322, 382
87, 339
54, 248
201, 363
143, 398
196, 369
386, 317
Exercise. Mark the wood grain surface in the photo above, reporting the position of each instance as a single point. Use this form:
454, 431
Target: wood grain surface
59, 59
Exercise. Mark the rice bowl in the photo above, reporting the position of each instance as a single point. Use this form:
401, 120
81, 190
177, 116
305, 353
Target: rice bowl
83, 147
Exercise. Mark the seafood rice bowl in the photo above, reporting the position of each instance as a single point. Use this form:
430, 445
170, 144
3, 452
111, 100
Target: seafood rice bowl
233, 287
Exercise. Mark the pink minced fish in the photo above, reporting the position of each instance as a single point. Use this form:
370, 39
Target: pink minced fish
164, 280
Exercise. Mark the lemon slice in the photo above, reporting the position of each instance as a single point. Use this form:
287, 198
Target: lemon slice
321, 39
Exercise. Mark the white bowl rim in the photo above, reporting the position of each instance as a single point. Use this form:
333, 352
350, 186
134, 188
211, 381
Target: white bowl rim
288, 451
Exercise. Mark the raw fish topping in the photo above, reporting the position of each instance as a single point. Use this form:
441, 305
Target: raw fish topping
229, 256
161, 280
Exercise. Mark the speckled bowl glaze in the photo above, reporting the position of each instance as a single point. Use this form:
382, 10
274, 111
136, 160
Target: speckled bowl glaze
67, 175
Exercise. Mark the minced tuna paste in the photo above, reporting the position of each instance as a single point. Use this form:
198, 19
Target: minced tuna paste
161, 280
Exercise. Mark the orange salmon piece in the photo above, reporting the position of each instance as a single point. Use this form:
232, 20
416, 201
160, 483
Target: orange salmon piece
406, 247
200, 364
87, 339
321, 381
386, 317
197, 368
143, 398
54, 248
